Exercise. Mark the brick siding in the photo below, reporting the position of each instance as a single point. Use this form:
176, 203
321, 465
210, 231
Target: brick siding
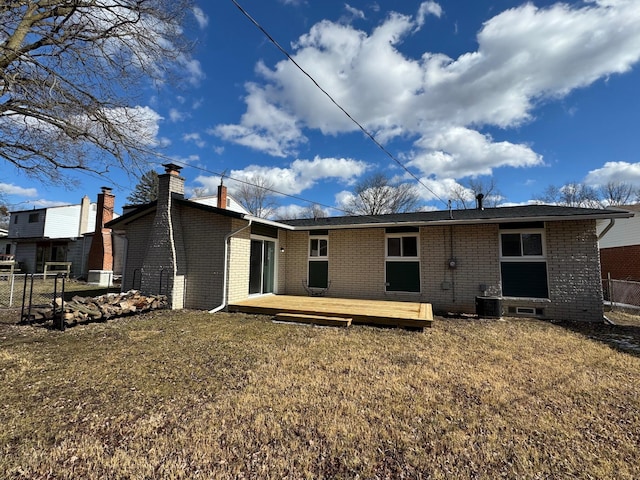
357, 268
622, 263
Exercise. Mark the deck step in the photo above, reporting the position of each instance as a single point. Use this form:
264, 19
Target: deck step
314, 319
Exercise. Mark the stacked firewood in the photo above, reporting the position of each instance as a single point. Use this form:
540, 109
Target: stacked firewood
83, 309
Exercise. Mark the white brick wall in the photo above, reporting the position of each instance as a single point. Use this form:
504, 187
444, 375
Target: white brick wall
357, 259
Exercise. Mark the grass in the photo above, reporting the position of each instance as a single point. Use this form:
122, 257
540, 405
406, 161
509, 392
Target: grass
191, 395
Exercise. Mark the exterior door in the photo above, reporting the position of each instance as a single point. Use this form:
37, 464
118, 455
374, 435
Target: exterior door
262, 262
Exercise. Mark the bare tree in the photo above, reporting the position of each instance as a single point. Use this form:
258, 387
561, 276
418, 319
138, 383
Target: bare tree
4, 215
256, 196
199, 192
619, 193
573, 194
464, 195
377, 195
146, 190
71, 72
314, 211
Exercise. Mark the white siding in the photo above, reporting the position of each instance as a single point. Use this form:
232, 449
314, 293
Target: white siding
625, 232
213, 202
64, 222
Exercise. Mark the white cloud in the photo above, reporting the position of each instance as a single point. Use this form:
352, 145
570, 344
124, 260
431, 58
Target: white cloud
354, 12
201, 17
263, 127
526, 55
11, 189
289, 211
195, 138
428, 8
300, 175
176, 115
461, 152
622, 172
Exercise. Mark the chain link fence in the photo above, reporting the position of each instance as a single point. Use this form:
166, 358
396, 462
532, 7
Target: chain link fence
621, 294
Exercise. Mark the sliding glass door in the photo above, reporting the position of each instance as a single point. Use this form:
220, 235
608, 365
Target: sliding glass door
262, 266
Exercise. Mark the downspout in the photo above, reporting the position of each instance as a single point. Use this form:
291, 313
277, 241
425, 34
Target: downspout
227, 238
612, 222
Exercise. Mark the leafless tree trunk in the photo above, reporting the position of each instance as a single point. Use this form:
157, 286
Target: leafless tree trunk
71, 72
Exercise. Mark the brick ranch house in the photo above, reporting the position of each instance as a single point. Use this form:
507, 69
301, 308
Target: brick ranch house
538, 260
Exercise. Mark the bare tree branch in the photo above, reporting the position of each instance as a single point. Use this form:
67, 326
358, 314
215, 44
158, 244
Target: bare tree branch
572, 194
619, 193
71, 73
255, 195
464, 196
376, 195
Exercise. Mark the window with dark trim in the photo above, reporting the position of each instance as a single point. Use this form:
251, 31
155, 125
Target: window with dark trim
318, 262
34, 217
523, 264
402, 263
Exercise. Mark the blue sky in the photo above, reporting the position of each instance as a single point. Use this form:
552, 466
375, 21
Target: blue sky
530, 94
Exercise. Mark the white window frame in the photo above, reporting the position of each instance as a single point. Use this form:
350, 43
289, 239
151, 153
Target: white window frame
523, 257
401, 257
318, 238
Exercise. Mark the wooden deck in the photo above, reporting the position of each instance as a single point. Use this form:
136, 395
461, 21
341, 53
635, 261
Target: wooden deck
371, 312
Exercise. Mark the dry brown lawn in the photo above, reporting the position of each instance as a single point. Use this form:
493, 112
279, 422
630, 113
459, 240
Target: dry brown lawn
191, 395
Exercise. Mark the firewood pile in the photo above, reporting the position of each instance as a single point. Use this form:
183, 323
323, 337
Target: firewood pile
85, 309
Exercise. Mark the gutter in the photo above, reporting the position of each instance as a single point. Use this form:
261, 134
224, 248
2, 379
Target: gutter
225, 274
612, 222
474, 221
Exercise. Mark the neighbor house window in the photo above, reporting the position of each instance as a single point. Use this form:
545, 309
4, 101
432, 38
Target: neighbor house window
33, 217
402, 262
318, 261
523, 263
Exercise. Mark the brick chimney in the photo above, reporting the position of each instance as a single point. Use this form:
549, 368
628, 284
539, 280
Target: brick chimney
165, 259
222, 195
101, 251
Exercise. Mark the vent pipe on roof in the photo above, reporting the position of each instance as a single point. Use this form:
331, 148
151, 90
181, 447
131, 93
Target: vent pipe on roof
479, 199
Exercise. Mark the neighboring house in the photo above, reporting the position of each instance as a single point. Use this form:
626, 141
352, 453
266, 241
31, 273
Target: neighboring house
538, 260
55, 234
221, 200
620, 248
5, 244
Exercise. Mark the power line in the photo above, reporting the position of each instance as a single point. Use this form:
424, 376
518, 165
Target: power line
328, 95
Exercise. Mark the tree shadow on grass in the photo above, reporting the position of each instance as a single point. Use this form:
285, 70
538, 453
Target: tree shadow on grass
624, 338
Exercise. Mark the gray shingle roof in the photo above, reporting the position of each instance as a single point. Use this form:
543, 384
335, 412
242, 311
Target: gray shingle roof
524, 213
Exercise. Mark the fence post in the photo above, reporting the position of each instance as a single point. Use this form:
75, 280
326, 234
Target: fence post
13, 284
611, 301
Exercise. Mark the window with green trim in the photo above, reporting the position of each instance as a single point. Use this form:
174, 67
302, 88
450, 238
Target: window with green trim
318, 276
523, 264
402, 264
